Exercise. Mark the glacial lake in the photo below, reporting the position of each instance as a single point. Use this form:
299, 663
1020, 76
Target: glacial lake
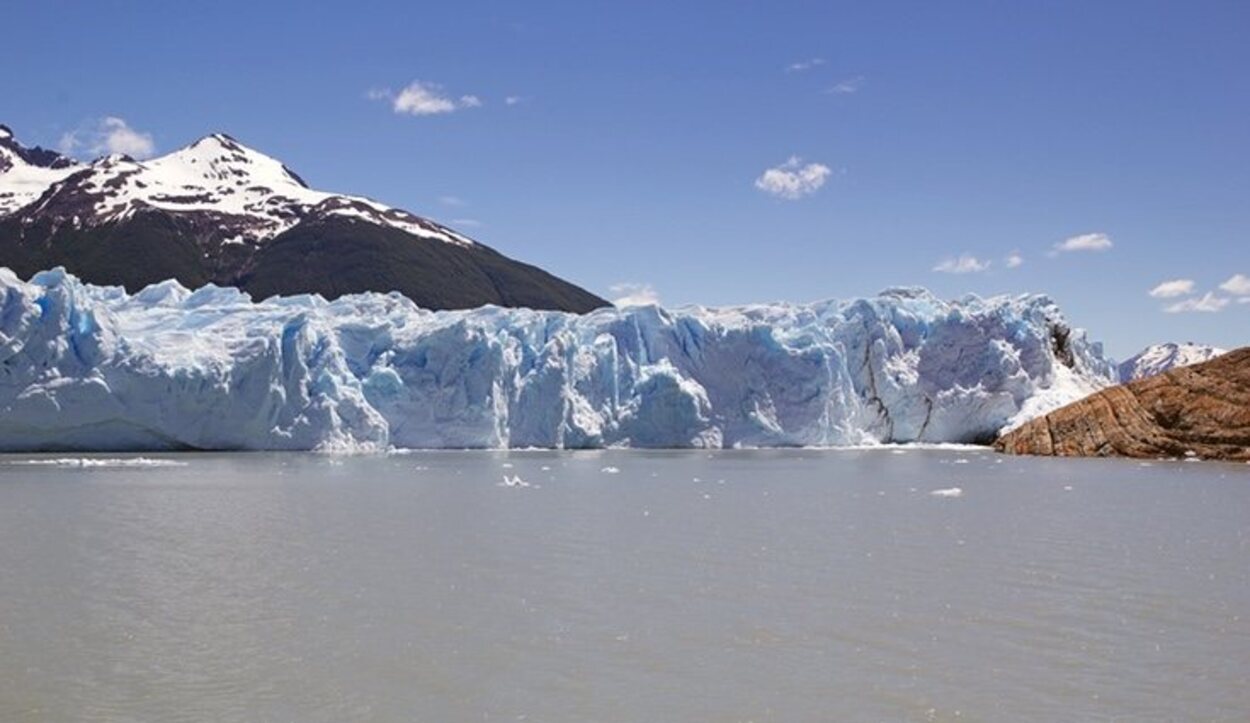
789, 585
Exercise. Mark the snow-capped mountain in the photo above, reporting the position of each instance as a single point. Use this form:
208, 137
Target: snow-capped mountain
95, 368
25, 173
218, 211
1158, 358
250, 196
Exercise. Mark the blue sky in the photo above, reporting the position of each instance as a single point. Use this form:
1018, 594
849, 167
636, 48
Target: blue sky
631, 143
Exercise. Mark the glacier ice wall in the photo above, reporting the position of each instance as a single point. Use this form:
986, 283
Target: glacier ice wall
88, 367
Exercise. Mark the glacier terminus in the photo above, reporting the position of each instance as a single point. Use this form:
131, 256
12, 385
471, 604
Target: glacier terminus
94, 368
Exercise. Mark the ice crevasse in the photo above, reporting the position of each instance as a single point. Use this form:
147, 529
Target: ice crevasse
93, 368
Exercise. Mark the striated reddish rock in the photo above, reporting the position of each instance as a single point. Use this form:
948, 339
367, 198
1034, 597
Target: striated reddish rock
1201, 410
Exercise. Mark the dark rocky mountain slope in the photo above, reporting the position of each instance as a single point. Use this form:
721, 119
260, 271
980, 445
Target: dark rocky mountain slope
217, 211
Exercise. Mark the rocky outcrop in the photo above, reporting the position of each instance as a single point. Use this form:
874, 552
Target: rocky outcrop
1201, 410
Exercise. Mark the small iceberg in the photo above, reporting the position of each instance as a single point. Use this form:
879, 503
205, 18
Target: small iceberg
514, 481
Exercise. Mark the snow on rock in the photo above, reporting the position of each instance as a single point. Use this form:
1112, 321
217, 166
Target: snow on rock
22, 180
252, 196
1158, 358
93, 368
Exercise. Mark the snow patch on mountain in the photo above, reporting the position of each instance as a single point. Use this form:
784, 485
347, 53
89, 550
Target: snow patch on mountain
253, 197
1158, 358
21, 180
94, 368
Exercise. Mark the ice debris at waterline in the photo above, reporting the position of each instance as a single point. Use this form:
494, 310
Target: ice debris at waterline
94, 368
96, 463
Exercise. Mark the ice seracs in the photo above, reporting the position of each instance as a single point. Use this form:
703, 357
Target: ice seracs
90, 367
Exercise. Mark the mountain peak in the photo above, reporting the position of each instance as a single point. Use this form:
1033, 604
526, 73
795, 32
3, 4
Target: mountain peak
213, 211
1158, 358
35, 156
218, 159
220, 140
114, 159
25, 173
219, 143
250, 196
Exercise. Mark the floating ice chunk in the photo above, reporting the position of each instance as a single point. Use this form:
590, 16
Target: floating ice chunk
951, 492
611, 470
514, 481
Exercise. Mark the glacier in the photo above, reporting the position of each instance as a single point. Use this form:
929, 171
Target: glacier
86, 367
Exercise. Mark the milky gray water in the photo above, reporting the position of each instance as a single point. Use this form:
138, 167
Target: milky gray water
624, 586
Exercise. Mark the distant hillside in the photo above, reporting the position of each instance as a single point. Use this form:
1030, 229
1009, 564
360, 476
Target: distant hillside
217, 211
1158, 358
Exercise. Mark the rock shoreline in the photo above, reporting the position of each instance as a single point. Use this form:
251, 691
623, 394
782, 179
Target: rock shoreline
1198, 411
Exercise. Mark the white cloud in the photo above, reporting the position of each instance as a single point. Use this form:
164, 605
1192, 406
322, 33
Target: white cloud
848, 86
106, 136
965, 264
513, 100
121, 138
1085, 242
1237, 285
1014, 260
1173, 288
630, 293
422, 98
803, 65
452, 201
793, 179
1208, 302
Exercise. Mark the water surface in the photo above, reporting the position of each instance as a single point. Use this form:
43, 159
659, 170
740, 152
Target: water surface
624, 586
